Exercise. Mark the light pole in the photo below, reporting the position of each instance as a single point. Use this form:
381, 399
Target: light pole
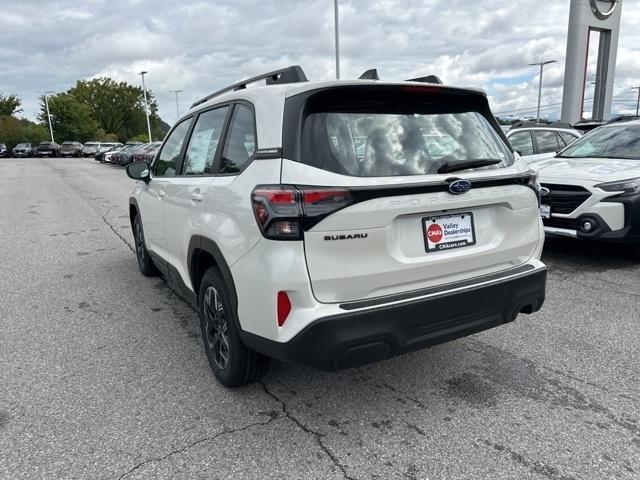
177, 107
541, 64
637, 104
146, 104
46, 103
337, 27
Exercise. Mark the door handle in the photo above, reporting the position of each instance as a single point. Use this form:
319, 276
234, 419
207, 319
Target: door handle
196, 196
161, 193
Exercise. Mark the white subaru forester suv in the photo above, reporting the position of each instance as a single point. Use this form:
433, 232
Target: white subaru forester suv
339, 223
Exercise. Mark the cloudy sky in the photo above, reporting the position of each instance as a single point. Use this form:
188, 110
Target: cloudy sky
200, 46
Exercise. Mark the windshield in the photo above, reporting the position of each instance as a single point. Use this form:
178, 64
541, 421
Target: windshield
393, 144
615, 141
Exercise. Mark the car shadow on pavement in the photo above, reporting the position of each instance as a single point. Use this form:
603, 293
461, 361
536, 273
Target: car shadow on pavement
586, 255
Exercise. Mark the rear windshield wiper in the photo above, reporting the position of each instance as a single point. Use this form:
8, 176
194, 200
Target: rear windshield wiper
449, 167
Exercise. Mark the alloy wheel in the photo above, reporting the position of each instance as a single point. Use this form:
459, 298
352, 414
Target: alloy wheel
216, 328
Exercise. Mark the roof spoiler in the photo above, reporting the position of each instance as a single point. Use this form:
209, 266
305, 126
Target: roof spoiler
292, 74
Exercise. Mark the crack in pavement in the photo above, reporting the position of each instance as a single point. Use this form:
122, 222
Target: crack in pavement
117, 234
195, 443
317, 436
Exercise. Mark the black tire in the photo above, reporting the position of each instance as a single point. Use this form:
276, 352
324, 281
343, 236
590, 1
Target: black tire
220, 334
147, 268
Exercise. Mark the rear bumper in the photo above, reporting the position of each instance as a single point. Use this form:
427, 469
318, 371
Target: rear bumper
381, 331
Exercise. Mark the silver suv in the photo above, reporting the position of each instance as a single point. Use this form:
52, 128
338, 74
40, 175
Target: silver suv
339, 223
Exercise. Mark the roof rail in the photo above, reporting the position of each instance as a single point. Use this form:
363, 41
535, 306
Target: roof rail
370, 75
292, 74
427, 79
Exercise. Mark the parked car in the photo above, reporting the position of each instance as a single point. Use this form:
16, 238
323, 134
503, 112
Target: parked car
71, 149
48, 149
105, 156
4, 152
534, 143
104, 148
591, 189
148, 153
89, 149
293, 248
118, 156
24, 150
127, 157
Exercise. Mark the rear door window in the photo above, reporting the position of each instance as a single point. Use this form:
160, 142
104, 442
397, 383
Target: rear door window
522, 142
240, 144
204, 142
546, 141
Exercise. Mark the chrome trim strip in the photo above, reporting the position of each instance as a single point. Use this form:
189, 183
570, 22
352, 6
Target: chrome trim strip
492, 279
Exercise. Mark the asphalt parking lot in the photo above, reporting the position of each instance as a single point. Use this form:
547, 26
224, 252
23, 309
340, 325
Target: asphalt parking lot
103, 375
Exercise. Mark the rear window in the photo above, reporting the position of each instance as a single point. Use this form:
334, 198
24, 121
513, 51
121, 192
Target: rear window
396, 137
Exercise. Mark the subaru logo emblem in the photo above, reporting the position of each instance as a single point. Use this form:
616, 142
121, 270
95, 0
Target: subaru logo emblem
544, 191
459, 187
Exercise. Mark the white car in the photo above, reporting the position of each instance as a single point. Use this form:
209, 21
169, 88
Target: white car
534, 143
258, 208
591, 189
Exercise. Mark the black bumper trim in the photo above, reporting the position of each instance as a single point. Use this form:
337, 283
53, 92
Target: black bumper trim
363, 336
423, 292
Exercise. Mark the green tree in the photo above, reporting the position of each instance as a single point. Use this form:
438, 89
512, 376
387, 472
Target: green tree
70, 119
119, 107
10, 104
17, 130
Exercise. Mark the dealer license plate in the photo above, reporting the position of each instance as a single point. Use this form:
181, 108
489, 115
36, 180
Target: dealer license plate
545, 211
445, 232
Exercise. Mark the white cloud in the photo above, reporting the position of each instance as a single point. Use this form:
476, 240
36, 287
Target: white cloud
199, 46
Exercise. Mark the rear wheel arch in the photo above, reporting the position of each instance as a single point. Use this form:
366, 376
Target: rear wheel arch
134, 210
203, 254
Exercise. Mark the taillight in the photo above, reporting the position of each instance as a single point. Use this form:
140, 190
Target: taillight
283, 212
284, 307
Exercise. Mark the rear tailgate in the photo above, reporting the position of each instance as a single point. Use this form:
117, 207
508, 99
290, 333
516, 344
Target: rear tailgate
406, 229
379, 246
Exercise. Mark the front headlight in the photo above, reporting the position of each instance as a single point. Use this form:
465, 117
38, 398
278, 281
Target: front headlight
625, 187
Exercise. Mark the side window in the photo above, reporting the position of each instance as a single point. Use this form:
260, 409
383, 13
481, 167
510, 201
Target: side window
522, 142
167, 161
567, 137
241, 141
545, 141
204, 142
560, 140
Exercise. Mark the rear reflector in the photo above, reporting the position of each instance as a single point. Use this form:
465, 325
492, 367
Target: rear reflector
284, 307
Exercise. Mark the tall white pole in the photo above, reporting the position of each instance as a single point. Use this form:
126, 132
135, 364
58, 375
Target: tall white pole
337, 24
177, 106
541, 64
539, 92
46, 102
146, 104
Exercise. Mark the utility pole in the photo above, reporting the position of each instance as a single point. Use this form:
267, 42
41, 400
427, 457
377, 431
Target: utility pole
177, 107
637, 104
46, 103
541, 64
146, 104
337, 25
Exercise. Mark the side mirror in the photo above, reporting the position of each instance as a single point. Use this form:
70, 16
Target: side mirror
139, 171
